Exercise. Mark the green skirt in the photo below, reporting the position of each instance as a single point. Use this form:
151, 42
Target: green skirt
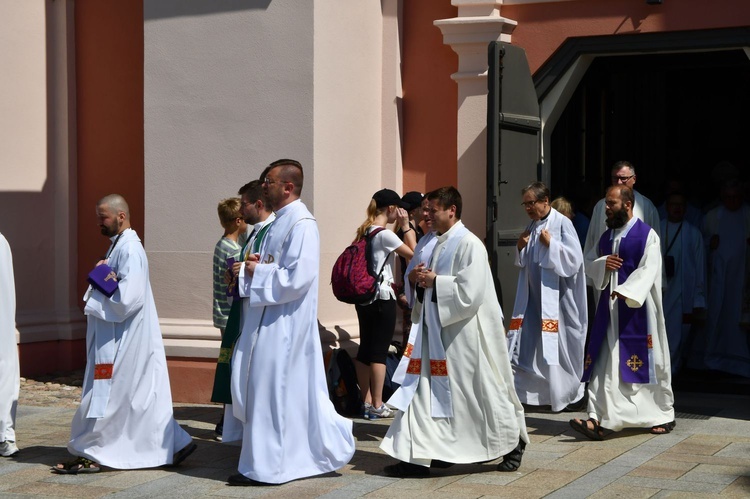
222, 391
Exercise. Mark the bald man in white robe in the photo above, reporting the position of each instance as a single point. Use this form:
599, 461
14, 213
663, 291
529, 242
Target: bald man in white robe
125, 420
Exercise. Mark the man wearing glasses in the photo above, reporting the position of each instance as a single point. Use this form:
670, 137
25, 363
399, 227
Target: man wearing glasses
279, 392
623, 173
548, 327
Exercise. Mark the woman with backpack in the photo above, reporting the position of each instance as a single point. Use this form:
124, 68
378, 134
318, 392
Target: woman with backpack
377, 319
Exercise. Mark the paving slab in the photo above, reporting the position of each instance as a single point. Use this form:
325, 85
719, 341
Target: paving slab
707, 457
663, 468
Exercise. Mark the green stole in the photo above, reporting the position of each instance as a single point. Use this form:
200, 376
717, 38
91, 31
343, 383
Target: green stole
222, 392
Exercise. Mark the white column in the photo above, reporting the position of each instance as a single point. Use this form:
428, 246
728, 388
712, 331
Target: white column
478, 23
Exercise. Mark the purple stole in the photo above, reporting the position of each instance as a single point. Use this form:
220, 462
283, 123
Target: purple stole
632, 322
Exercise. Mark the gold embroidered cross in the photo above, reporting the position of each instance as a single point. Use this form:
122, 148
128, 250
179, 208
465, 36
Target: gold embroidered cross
111, 275
634, 363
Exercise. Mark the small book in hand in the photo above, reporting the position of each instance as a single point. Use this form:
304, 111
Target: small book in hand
104, 279
232, 289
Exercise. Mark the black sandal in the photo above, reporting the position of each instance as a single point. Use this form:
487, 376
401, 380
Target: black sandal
595, 433
667, 427
76, 466
512, 460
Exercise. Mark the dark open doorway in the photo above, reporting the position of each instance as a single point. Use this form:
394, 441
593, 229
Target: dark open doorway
674, 116
671, 115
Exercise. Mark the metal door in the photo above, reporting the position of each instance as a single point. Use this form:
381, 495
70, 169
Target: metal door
513, 160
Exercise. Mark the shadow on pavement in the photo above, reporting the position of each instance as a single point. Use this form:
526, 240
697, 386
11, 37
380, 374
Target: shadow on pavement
40, 454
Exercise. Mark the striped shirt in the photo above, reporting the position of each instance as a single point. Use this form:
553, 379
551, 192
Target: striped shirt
225, 248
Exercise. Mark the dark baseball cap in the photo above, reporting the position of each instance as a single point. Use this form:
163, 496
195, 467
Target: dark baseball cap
387, 197
413, 199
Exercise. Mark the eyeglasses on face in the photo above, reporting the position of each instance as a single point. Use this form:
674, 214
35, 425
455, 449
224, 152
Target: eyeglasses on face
618, 179
269, 181
529, 204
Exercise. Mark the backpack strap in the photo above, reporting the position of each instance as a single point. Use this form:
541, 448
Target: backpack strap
368, 251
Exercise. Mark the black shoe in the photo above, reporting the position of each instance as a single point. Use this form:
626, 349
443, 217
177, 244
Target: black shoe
241, 480
220, 426
437, 463
406, 470
219, 430
183, 453
579, 405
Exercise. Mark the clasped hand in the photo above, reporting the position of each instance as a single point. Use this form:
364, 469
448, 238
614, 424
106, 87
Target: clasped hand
423, 276
250, 263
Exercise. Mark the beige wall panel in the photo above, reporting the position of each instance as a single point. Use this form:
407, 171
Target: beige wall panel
349, 107
23, 96
228, 89
179, 286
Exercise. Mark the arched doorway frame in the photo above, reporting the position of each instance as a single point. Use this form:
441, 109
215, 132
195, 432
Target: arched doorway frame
558, 78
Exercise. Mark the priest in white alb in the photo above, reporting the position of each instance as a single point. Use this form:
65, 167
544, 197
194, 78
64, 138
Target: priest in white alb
9, 374
725, 345
627, 356
457, 402
125, 419
279, 392
548, 329
685, 272
623, 173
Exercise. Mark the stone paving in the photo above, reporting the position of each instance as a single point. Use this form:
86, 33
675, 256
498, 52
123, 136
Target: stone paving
57, 389
708, 455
